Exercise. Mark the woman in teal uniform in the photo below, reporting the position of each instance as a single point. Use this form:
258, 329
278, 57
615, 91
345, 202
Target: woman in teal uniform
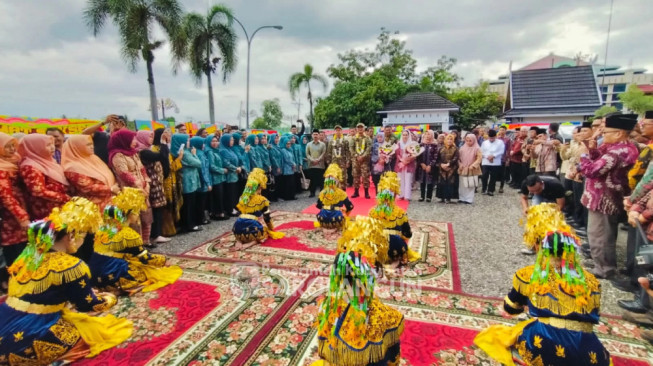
219, 172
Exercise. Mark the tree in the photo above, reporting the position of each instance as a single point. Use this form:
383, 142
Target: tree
439, 79
635, 100
206, 35
272, 115
166, 104
136, 20
604, 110
299, 79
477, 105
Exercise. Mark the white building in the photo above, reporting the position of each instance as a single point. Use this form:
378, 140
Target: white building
420, 108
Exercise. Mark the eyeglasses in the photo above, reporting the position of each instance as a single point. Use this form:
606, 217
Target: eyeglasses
612, 131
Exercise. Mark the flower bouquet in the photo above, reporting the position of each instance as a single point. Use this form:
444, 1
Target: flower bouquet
386, 151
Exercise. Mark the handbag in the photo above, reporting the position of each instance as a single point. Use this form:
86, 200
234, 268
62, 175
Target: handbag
272, 184
305, 181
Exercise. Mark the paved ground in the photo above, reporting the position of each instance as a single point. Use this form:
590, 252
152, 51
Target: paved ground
487, 235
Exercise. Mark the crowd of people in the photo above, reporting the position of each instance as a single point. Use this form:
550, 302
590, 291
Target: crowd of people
150, 185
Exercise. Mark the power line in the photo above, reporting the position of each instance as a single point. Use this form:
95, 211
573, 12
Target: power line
607, 43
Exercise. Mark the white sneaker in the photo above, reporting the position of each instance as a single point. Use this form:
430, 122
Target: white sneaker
527, 251
162, 239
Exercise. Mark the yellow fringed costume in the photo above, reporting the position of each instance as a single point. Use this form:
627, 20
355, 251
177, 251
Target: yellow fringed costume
120, 260
564, 302
252, 205
354, 327
333, 203
393, 219
38, 326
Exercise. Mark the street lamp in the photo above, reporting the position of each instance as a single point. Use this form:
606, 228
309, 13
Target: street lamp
249, 46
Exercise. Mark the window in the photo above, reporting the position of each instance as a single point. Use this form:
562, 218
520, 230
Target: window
619, 106
615, 97
605, 97
619, 88
604, 89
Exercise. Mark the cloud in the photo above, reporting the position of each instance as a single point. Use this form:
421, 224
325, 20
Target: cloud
52, 65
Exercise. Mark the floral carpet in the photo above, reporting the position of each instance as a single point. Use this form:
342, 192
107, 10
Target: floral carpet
313, 250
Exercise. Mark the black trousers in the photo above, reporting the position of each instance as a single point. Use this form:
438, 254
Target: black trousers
188, 211
502, 175
426, 188
350, 177
517, 173
316, 175
375, 179
217, 200
298, 182
570, 204
287, 189
231, 196
490, 176
157, 222
273, 189
580, 212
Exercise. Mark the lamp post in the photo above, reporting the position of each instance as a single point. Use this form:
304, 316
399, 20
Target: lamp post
249, 47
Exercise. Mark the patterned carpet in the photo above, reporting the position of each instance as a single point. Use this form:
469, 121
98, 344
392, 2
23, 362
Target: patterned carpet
258, 307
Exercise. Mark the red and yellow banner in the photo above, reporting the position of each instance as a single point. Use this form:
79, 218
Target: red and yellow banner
27, 125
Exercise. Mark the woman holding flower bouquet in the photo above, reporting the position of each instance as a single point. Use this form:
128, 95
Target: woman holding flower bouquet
405, 167
448, 176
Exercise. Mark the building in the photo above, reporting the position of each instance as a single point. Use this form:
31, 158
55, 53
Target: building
612, 80
420, 108
568, 94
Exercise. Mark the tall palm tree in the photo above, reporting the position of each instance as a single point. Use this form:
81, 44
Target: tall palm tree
135, 20
299, 79
206, 34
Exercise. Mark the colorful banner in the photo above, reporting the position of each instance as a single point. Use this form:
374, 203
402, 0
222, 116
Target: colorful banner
27, 125
518, 125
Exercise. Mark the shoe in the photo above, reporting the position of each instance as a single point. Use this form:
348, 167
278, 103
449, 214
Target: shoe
607, 276
150, 246
581, 233
527, 251
490, 194
196, 228
355, 195
484, 192
585, 246
633, 306
428, 200
421, 199
645, 319
162, 239
367, 193
588, 263
623, 284
311, 195
442, 201
500, 190
235, 213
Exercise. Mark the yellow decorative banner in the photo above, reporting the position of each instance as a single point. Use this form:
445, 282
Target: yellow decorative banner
26, 125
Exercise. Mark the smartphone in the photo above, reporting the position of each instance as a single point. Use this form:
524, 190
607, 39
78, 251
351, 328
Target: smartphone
181, 148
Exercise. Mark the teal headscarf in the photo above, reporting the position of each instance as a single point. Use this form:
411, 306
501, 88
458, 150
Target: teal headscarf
198, 143
178, 140
207, 145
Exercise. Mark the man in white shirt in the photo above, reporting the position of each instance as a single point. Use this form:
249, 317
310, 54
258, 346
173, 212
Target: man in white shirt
492, 150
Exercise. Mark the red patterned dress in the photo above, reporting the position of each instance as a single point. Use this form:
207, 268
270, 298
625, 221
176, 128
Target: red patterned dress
12, 208
90, 188
45, 193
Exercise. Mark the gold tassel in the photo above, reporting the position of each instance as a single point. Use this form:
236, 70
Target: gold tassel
53, 277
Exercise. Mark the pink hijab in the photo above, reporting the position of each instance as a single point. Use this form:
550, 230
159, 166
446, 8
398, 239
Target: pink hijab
468, 153
75, 158
32, 149
120, 142
8, 164
143, 140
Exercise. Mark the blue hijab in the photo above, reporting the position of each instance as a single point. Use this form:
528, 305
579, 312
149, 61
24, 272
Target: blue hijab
178, 140
227, 152
198, 143
207, 145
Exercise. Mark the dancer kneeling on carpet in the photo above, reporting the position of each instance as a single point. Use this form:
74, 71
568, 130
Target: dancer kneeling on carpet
38, 326
354, 327
252, 205
333, 203
394, 220
120, 262
564, 301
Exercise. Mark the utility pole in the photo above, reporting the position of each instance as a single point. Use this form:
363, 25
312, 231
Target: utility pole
163, 109
607, 43
240, 113
298, 103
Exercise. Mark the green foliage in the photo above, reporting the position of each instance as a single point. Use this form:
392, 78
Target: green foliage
259, 124
206, 35
272, 113
135, 20
606, 109
635, 100
439, 79
170, 119
299, 79
477, 105
365, 81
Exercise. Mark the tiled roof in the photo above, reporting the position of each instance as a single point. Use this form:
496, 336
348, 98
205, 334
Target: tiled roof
572, 111
560, 87
419, 101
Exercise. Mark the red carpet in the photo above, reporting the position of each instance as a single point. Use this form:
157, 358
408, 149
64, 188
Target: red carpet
292, 242
361, 205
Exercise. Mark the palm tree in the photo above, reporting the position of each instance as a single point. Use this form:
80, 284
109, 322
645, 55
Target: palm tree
135, 20
299, 79
204, 34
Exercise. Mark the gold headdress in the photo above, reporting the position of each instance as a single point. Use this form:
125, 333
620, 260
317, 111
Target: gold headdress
389, 181
365, 235
78, 215
333, 171
541, 220
258, 175
130, 199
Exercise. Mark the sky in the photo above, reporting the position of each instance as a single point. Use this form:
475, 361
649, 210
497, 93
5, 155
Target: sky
51, 65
